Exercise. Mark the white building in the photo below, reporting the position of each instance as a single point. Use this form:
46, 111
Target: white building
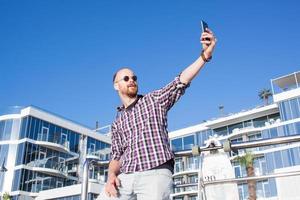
279, 120
40, 151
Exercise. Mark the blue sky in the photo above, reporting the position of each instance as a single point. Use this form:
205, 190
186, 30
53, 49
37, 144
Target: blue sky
60, 55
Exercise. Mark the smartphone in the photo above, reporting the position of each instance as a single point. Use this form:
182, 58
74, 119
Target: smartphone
204, 25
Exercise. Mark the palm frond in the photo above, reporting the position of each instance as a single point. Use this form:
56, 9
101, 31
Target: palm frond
246, 160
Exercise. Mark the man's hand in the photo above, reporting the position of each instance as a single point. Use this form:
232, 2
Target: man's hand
111, 187
208, 45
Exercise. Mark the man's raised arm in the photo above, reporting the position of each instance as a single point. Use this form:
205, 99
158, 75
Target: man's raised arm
208, 46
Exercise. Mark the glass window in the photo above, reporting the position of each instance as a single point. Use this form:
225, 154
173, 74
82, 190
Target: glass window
290, 129
177, 144
20, 154
200, 138
221, 131
192, 163
288, 110
282, 111
259, 190
178, 165
235, 126
237, 171
5, 129
248, 123
285, 158
3, 159
193, 198
260, 122
24, 123
193, 179
273, 132
280, 131
274, 116
188, 142
72, 141
278, 159
265, 134
263, 167
273, 188
270, 162
255, 137
297, 127
295, 108
296, 154
15, 129
237, 140
241, 192
2, 125
52, 135
16, 180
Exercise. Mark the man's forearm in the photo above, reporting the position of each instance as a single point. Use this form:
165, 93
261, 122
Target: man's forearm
189, 73
208, 41
114, 168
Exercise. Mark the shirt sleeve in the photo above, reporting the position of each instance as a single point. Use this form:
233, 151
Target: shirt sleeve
116, 144
170, 94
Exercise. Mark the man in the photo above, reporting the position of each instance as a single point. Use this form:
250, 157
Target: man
142, 162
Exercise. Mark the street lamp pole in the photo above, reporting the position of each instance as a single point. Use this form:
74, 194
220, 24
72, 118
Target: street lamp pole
85, 180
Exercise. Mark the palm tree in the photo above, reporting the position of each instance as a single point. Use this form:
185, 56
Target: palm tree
264, 94
247, 161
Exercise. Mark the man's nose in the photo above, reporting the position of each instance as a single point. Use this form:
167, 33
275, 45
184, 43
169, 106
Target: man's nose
131, 80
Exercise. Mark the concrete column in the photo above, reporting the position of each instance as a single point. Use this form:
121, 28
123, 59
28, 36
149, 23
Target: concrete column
82, 156
85, 181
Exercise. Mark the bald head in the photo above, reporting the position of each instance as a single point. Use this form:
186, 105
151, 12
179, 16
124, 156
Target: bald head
125, 82
119, 70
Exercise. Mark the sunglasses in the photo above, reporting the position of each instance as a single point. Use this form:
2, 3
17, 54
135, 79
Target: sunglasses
126, 78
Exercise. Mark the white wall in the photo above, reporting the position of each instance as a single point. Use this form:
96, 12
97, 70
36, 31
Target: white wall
288, 187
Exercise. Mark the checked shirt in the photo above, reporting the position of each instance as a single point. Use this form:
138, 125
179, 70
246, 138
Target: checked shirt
139, 133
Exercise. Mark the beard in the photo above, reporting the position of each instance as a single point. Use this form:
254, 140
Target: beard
132, 91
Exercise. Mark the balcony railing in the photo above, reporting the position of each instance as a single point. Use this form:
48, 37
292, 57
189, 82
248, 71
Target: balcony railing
49, 163
285, 83
43, 137
102, 154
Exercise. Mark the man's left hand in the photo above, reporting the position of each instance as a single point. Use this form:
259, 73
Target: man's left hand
208, 41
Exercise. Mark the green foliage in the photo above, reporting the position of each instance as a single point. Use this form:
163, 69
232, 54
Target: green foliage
6, 196
264, 94
246, 160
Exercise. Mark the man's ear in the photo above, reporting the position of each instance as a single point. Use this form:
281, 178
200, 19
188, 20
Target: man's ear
116, 86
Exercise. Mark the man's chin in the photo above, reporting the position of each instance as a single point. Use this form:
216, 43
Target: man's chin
132, 94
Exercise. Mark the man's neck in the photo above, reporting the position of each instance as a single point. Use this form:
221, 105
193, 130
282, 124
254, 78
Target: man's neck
126, 100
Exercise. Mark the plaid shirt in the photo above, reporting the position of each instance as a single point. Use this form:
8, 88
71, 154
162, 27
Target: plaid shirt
139, 133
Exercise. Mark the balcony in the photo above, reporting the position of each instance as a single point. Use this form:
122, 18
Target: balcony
97, 178
49, 166
286, 87
63, 146
190, 169
185, 189
102, 155
73, 169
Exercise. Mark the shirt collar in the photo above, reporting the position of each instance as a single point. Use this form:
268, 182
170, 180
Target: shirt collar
122, 108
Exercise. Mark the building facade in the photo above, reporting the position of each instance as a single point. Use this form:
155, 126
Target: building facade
280, 119
42, 155
40, 151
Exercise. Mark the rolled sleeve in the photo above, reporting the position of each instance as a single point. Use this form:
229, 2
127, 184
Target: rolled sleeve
171, 93
116, 144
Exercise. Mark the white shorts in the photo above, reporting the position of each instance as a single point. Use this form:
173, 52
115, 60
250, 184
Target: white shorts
153, 184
